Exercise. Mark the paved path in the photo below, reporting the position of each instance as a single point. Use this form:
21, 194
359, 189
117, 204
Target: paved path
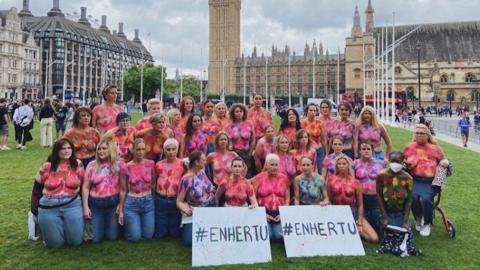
446, 133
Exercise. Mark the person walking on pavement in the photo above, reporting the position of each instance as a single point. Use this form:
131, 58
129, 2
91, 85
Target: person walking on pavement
464, 125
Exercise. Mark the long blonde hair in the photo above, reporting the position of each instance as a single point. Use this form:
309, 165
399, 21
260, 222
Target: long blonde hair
375, 121
431, 139
113, 157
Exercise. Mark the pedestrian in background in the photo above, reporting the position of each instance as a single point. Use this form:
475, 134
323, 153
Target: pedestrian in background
464, 125
3, 124
23, 118
60, 117
46, 122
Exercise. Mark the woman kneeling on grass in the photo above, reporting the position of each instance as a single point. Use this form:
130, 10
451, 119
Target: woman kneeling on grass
136, 209
238, 191
195, 190
310, 187
100, 192
344, 189
272, 191
55, 201
169, 174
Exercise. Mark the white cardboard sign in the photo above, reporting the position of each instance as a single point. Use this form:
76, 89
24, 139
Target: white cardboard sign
311, 230
229, 235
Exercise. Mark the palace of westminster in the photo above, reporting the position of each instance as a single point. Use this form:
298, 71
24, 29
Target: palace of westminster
449, 61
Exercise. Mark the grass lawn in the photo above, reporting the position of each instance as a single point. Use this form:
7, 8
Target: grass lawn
440, 252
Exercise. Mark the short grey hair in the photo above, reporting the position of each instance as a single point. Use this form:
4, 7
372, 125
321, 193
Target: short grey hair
271, 157
170, 142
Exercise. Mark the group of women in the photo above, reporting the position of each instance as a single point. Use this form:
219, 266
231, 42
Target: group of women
148, 178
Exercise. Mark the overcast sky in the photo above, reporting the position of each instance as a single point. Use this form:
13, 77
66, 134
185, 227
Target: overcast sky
179, 28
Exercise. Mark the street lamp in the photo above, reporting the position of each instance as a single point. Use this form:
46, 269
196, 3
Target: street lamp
419, 47
46, 75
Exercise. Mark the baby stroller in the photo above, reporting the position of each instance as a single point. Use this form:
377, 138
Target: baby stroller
441, 175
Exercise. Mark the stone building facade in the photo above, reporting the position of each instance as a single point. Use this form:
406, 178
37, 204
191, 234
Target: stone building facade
449, 61
313, 74
79, 57
19, 58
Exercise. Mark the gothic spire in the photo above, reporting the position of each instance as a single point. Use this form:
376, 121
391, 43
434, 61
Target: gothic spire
369, 23
356, 29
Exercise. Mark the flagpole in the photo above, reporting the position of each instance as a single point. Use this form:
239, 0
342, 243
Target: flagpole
364, 73
375, 73
244, 82
266, 83
393, 70
289, 84
313, 73
387, 67
382, 89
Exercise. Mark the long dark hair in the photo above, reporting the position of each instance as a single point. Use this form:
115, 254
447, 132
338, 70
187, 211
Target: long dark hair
54, 157
189, 126
284, 123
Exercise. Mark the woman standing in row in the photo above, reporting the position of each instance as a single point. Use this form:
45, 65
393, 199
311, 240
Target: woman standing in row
272, 190
195, 139
100, 192
345, 128
290, 125
221, 160
153, 107
242, 134
211, 125
136, 206
83, 135
169, 174
187, 108
174, 118
314, 127
370, 130
259, 117
104, 115
264, 146
221, 113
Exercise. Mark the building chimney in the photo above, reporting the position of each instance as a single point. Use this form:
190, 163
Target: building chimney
137, 39
83, 16
55, 11
104, 27
120, 30
25, 12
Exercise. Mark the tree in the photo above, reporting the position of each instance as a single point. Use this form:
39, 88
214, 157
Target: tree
152, 76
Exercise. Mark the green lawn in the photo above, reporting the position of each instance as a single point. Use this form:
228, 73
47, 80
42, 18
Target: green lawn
440, 252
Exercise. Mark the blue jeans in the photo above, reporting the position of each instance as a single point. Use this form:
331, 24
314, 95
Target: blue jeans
274, 228
379, 155
139, 218
167, 217
320, 157
422, 188
371, 212
63, 225
104, 218
275, 231
395, 218
187, 229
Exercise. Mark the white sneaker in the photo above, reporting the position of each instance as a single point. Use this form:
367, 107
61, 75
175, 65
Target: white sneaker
23, 147
426, 230
19, 146
419, 224
6, 148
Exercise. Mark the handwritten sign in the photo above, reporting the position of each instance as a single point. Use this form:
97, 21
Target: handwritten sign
320, 231
229, 235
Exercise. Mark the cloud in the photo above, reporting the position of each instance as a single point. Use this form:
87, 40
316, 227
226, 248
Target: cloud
179, 29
